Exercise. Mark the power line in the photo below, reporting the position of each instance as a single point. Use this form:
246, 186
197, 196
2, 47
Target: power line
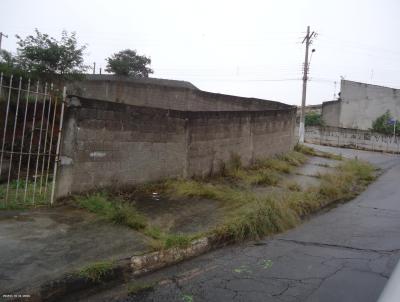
250, 80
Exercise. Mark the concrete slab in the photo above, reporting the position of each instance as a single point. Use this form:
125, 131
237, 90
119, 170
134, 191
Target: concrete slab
322, 161
304, 181
190, 215
261, 191
313, 170
43, 244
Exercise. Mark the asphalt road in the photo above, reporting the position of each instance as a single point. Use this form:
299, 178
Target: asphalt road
345, 254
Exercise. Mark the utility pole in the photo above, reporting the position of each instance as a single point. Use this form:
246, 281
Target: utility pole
1, 36
94, 67
308, 40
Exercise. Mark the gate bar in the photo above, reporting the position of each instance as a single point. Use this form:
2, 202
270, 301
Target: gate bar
23, 137
45, 140
13, 140
40, 143
5, 123
57, 160
30, 144
51, 145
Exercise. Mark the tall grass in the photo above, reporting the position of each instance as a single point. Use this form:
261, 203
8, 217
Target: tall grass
312, 152
115, 211
97, 271
247, 215
256, 217
35, 196
122, 213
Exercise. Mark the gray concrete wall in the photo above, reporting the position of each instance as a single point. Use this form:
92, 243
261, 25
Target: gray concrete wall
214, 136
164, 94
363, 103
352, 138
113, 144
330, 113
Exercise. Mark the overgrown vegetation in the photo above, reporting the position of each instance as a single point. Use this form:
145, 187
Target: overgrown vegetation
386, 124
120, 212
311, 152
16, 193
115, 211
313, 119
247, 215
96, 272
293, 186
262, 216
136, 288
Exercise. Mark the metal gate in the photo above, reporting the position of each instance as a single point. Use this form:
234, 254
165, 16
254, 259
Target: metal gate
31, 118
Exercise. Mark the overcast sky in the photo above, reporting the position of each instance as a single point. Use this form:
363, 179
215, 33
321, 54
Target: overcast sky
248, 48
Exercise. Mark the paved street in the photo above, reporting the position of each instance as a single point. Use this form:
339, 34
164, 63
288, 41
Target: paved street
344, 254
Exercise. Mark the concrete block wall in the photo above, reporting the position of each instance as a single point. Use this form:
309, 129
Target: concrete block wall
331, 113
108, 144
352, 138
164, 94
362, 103
113, 144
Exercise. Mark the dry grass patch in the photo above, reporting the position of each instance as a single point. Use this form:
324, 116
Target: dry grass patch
247, 216
259, 217
293, 186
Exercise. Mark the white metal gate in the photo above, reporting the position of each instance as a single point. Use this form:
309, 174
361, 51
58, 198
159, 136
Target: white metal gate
31, 118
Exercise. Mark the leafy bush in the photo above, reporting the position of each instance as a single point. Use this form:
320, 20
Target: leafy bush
382, 124
96, 272
313, 119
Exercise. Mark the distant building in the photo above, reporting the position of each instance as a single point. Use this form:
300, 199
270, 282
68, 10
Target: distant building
308, 109
360, 104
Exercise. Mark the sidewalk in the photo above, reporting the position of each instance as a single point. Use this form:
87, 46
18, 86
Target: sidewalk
43, 244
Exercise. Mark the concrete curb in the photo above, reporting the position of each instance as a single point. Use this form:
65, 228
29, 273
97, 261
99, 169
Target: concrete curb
157, 260
70, 284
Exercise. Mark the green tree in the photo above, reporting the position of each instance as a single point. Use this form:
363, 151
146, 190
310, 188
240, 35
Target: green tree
46, 57
313, 119
128, 63
383, 124
7, 62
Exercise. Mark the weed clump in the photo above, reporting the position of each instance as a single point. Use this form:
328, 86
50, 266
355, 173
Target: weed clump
276, 164
139, 288
36, 195
305, 150
259, 217
115, 211
310, 151
294, 158
255, 220
96, 271
293, 186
